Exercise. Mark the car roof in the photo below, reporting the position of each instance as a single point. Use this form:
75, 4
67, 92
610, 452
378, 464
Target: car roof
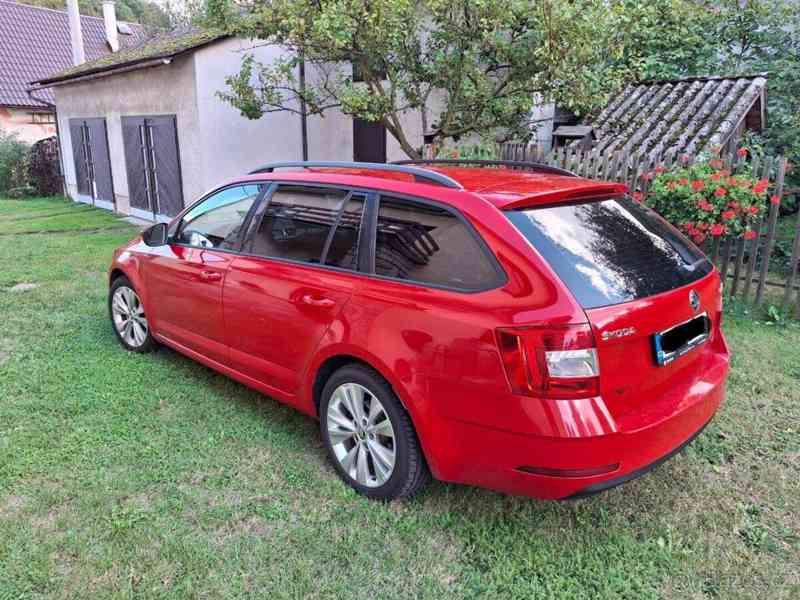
505, 188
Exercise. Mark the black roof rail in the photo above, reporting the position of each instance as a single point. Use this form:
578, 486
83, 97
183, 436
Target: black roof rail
518, 164
421, 175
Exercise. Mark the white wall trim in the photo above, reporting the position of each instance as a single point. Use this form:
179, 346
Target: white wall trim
104, 204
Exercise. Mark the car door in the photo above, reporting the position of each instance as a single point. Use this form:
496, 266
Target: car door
293, 279
184, 278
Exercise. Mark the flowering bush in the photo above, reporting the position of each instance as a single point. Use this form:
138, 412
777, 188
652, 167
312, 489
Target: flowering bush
707, 200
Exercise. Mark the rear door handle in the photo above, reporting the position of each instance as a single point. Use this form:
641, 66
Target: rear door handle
314, 301
210, 276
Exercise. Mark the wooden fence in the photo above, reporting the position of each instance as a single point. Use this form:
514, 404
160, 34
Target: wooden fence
745, 265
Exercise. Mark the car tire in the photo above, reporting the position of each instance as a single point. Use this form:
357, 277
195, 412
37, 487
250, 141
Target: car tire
128, 318
373, 447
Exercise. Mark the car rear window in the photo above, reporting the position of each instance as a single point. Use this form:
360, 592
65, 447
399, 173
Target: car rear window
611, 251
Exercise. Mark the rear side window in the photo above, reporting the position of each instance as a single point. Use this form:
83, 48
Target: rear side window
611, 251
313, 225
427, 244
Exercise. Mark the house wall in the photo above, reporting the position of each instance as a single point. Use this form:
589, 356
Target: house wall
230, 143
235, 144
163, 90
19, 121
215, 141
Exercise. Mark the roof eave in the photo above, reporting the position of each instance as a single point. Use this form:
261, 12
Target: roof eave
108, 70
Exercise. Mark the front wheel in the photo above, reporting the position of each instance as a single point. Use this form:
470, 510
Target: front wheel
369, 435
128, 317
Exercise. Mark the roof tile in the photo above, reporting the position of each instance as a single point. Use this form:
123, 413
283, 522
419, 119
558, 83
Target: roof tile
35, 42
682, 115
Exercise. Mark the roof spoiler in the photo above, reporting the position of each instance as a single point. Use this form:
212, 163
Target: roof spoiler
592, 190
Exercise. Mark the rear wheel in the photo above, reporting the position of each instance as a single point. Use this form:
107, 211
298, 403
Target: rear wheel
128, 317
369, 435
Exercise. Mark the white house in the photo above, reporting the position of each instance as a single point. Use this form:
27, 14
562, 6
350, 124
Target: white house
143, 132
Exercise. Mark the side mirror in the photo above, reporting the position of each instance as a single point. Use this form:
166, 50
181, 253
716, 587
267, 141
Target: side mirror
155, 235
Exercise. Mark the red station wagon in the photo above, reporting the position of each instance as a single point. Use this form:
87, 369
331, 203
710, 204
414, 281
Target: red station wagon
527, 331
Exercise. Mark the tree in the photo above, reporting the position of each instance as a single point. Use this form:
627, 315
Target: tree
461, 67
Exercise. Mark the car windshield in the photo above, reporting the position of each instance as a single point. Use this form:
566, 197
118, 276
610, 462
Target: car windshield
611, 251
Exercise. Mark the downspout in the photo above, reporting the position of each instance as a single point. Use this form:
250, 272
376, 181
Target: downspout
58, 140
303, 115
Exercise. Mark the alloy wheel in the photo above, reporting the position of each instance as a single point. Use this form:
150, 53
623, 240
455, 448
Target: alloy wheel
129, 318
361, 435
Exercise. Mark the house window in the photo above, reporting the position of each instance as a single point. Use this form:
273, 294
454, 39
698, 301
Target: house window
43, 118
358, 76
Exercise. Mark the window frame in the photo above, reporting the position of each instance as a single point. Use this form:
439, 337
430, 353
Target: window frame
257, 215
175, 228
367, 235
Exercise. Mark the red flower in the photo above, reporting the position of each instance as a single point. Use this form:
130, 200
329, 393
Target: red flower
727, 215
761, 186
717, 229
637, 196
704, 205
720, 192
775, 199
683, 181
732, 181
660, 169
753, 210
741, 152
672, 185
749, 235
697, 184
647, 176
699, 238
685, 158
715, 163
716, 176
734, 205
725, 172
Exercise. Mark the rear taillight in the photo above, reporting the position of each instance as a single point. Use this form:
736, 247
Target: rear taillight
550, 362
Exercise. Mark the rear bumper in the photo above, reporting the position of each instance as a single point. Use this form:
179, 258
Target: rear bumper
596, 488
493, 458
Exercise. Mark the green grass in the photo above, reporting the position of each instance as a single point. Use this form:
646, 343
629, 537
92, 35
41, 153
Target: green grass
125, 475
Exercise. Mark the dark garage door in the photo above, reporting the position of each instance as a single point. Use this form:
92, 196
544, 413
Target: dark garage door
92, 161
153, 165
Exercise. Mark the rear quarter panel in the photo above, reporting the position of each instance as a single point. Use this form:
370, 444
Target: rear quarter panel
437, 346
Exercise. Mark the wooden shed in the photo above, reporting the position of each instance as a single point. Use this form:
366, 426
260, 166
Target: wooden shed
682, 115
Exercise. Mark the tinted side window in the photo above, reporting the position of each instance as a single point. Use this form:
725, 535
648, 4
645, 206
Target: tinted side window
216, 222
313, 225
428, 244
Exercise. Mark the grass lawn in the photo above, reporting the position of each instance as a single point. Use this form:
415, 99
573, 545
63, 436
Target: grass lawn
125, 475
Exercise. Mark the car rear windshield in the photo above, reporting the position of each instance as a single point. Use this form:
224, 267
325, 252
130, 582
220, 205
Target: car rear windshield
611, 251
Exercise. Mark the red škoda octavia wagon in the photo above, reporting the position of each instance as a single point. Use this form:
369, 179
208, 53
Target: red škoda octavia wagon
527, 331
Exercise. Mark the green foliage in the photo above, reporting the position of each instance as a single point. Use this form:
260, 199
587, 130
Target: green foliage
460, 67
665, 39
707, 200
13, 164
